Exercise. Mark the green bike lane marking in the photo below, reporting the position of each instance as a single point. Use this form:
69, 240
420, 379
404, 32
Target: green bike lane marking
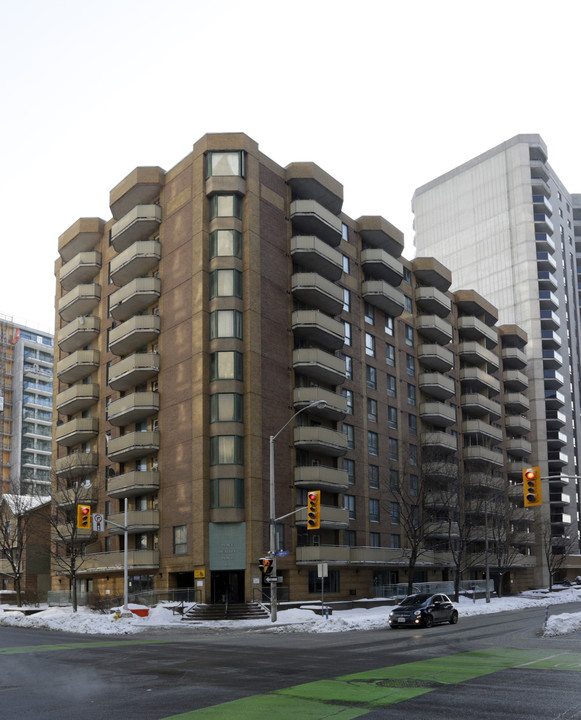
351, 696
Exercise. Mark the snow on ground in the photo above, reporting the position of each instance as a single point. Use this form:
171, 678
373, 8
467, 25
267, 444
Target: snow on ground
292, 620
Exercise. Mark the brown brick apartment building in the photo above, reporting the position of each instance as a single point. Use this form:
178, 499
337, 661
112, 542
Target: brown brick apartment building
221, 298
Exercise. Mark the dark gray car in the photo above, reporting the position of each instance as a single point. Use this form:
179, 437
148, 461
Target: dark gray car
424, 610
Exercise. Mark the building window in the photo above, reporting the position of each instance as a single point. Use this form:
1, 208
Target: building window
225, 206
395, 541
220, 164
227, 493
346, 300
372, 443
225, 283
414, 485
349, 538
392, 417
350, 506
413, 455
369, 344
407, 275
180, 540
413, 424
393, 450
373, 476
394, 513
226, 365
391, 386
347, 326
344, 232
411, 394
372, 410
329, 584
410, 365
348, 367
373, 510
227, 450
407, 304
409, 335
389, 325
226, 324
349, 434
225, 243
394, 481
371, 377
374, 540
369, 313
390, 355
349, 466
348, 395
226, 407
345, 264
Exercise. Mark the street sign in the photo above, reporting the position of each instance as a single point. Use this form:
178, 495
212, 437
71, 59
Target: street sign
98, 522
323, 570
274, 579
282, 553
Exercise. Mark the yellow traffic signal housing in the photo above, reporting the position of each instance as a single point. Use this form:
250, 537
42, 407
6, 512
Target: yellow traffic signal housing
84, 517
313, 510
265, 565
531, 480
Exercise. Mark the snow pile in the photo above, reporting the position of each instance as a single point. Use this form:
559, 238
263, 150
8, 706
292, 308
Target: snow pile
88, 622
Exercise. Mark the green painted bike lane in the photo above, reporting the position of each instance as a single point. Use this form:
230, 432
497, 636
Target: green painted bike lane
352, 696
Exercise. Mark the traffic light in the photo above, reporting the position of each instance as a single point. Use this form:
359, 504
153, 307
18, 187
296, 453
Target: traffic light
531, 480
265, 565
83, 517
314, 510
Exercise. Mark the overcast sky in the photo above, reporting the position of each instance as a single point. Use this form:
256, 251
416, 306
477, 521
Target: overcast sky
383, 95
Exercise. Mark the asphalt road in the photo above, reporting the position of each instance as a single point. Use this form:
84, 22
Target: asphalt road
494, 666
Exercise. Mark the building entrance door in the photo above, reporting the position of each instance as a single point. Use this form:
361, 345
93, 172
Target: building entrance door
227, 586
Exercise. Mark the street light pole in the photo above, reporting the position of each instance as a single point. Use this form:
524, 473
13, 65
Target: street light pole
272, 511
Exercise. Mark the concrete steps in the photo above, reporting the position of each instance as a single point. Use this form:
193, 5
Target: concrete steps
232, 611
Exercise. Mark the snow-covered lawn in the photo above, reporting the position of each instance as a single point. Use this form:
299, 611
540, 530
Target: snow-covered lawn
293, 620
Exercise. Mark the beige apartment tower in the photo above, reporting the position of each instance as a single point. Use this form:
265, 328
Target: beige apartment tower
220, 299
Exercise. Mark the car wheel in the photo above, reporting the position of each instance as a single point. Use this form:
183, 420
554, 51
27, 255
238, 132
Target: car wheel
453, 618
428, 621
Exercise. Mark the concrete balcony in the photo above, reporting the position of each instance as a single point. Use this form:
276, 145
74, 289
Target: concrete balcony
80, 269
550, 320
475, 378
133, 483
442, 529
434, 328
138, 260
440, 470
321, 477
554, 400
516, 402
556, 420
319, 365
377, 232
318, 328
332, 518
483, 481
318, 292
141, 187
76, 464
78, 333
138, 521
557, 458
435, 357
541, 204
471, 328
77, 398
544, 243
334, 410
138, 224
543, 223
539, 171
553, 380
133, 445
552, 360
320, 440
133, 370
517, 424
310, 218
77, 431
77, 366
514, 381
547, 281
384, 296
437, 413
437, 385
433, 301
551, 340
442, 441
67, 532
86, 494
514, 358
431, 273
109, 562
440, 500
523, 538
317, 256
483, 430
478, 453
134, 298
308, 180
380, 265
339, 555
548, 301
79, 301
134, 333
82, 236
556, 440
133, 408
476, 354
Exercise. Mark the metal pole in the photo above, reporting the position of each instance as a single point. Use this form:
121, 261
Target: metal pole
272, 521
486, 552
125, 564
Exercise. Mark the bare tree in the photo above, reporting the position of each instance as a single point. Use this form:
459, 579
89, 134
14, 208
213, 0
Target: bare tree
504, 540
555, 550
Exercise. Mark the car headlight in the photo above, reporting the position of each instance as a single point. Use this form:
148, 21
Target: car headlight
417, 612
391, 614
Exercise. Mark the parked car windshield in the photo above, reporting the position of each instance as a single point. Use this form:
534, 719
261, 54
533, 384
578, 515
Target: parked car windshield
415, 599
